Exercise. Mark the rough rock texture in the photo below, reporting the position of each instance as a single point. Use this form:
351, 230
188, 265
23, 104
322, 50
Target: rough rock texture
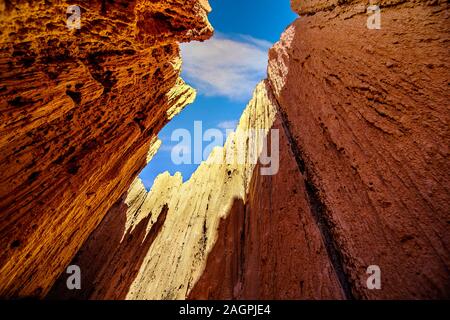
178, 256
269, 246
363, 131
78, 111
367, 112
113, 253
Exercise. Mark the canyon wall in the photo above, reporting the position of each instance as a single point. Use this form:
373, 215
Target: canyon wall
193, 210
363, 137
367, 112
362, 119
80, 109
364, 162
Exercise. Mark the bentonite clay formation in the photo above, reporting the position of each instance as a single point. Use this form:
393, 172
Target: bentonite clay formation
362, 120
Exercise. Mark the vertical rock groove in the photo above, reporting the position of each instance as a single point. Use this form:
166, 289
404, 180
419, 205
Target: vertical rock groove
318, 210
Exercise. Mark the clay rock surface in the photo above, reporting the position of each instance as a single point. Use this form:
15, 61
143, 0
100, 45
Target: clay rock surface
367, 112
79, 110
363, 118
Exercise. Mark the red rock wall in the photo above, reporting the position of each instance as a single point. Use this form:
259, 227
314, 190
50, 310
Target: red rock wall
364, 163
368, 113
78, 110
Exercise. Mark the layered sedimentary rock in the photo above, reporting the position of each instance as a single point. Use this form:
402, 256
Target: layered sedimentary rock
79, 109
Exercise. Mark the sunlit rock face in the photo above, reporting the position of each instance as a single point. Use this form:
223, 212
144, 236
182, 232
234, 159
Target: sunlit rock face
79, 109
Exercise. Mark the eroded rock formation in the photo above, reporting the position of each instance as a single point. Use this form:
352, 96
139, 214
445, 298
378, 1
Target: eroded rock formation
368, 113
79, 109
178, 255
362, 117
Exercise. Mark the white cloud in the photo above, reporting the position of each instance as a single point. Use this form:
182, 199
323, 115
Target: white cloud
166, 148
258, 42
176, 147
228, 124
226, 66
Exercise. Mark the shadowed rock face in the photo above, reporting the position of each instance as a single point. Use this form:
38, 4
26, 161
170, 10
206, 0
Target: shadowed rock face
111, 257
270, 246
79, 109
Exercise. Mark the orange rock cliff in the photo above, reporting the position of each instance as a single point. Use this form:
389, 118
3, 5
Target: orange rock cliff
79, 109
362, 121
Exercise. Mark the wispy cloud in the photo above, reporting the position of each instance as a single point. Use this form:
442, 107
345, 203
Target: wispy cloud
228, 66
174, 146
228, 124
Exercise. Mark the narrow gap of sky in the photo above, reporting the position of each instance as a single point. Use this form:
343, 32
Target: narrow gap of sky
224, 70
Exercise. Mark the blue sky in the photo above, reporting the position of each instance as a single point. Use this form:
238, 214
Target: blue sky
224, 70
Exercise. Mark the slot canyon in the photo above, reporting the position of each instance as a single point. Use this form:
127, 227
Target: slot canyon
362, 120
